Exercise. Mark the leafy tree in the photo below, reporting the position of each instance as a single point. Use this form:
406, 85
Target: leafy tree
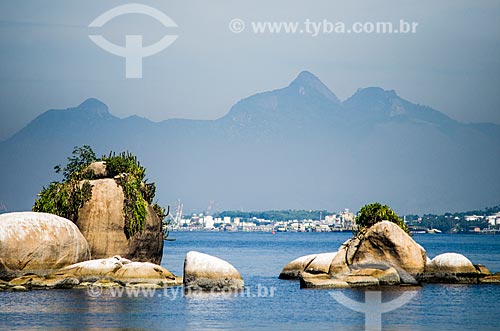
80, 159
373, 213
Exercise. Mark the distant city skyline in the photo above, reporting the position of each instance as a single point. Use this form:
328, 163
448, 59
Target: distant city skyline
47, 60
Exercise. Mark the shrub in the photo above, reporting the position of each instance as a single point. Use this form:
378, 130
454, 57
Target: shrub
373, 213
67, 197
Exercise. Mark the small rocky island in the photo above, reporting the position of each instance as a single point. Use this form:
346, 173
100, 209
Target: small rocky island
98, 227
380, 255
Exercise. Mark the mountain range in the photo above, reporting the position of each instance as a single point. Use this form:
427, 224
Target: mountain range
298, 147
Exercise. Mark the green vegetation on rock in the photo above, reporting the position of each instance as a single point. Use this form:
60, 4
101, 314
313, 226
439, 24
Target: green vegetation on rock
67, 197
373, 213
129, 175
81, 158
63, 199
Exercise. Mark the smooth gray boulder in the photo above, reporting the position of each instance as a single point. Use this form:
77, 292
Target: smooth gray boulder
452, 263
38, 243
450, 268
203, 272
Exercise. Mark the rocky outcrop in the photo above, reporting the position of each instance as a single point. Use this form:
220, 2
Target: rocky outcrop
482, 270
101, 221
358, 277
450, 268
203, 272
383, 255
98, 169
321, 263
491, 279
115, 271
314, 263
386, 255
120, 270
384, 243
38, 243
322, 281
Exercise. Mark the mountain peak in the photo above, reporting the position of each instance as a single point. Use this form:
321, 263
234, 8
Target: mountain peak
306, 76
94, 106
307, 83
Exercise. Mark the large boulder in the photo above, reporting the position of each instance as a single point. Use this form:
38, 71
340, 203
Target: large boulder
384, 243
203, 272
101, 221
314, 263
38, 243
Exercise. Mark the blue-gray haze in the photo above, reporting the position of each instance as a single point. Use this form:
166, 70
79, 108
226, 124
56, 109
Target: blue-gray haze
303, 146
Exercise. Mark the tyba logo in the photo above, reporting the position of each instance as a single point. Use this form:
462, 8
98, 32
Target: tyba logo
133, 52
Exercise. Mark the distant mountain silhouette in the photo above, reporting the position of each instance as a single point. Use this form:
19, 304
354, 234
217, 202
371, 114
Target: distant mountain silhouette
297, 147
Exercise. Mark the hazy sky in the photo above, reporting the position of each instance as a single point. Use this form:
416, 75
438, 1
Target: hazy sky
47, 60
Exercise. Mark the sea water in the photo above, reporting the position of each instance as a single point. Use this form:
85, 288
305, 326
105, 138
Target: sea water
268, 303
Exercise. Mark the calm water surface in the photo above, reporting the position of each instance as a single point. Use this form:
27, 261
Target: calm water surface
259, 257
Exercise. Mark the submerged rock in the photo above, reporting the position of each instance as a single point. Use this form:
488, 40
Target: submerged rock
321, 281
357, 277
38, 243
204, 272
491, 279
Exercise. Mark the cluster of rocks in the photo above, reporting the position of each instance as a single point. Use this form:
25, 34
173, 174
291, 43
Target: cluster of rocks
114, 271
44, 251
384, 255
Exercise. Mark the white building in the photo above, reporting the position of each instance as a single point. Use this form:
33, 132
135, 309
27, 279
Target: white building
494, 219
472, 218
208, 222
